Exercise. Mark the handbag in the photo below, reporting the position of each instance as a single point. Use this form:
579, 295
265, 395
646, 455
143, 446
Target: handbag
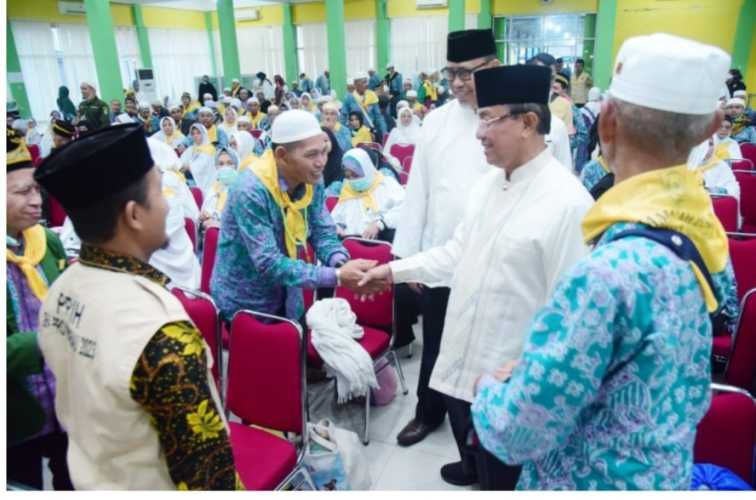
335, 458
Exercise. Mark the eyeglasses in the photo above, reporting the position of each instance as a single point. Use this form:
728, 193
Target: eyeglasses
487, 122
463, 74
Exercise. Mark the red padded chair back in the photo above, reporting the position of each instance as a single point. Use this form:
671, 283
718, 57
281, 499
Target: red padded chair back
402, 151
725, 434
741, 366
198, 196
403, 178
748, 201
57, 213
209, 249
256, 133
191, 230
743, 257
385, 138
203, 313
266, 372
726, 209
378, 313
744, 164
749, 151
331, 202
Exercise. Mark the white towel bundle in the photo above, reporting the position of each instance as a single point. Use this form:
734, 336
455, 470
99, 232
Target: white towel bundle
334, 330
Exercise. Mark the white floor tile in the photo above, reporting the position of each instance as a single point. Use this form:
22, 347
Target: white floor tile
411, 469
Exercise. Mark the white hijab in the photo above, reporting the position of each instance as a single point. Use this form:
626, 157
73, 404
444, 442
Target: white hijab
406, 134
245, 143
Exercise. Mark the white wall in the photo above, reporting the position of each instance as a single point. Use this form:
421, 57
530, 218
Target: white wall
418, 43
178, 56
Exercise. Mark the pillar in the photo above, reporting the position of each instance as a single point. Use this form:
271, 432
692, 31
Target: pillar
291, 57
229, 45
500, 32
602, 61
145, 53
100, 23
213, 59
589, 41
456, 15
383, 35
336, 47
484, 17
15, 78
744, 33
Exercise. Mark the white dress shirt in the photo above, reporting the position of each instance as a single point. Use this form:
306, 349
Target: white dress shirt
559, 142
516, 238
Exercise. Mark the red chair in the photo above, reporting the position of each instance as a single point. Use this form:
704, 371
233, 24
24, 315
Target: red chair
267, 387
198, 196
726, 209
725, 435
204, 314
402, 151
209, 249
749, 151
743, 258
376, 317
191, 230
57, 212
256, 133
331, 202
747, 202
744, 164
403, 178
741, 364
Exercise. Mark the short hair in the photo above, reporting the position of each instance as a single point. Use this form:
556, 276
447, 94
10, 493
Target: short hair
289, 147
542, 111
115, 100
359, 117
671, 135
97, 223
580, 60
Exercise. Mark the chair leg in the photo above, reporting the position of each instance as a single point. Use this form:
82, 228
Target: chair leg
366, 434
308, 479
399, 370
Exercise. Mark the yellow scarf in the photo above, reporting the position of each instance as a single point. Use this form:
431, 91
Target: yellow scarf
430, 91
212, 134
256, 120
35, 241
176, 135
368, 200
362, 136
222, 196
208, 149
671, 198
194, 105
739, 123
722, 151
365, 100
249, 161
295, 222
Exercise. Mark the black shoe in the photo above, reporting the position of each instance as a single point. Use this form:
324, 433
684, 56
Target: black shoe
414, 432
454, 473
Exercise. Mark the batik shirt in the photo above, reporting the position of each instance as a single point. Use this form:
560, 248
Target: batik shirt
252, 269
614, 378
170, 382
591, 174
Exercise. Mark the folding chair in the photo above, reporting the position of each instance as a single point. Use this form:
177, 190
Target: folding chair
747, 183
740, 370
376, 317
204, 314
267, 388
331, 202
57, 212
725, 435
257, 133
209, 249
749, 151
743, 258
743, 164
402, 151
191, 230
198, 196
726, 210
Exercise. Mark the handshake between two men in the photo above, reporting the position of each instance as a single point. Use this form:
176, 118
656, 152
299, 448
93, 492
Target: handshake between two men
365, 278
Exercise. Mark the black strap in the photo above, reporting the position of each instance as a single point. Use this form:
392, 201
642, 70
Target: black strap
602, 186
678, 243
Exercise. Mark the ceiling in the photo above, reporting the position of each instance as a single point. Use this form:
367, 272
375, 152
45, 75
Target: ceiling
207, 5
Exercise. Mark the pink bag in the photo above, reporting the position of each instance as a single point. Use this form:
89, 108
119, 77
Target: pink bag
387, 382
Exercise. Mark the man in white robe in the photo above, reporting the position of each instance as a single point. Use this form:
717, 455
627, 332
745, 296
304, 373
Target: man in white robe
448, 160
520, 231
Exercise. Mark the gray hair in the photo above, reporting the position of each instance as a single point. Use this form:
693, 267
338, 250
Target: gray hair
671, 135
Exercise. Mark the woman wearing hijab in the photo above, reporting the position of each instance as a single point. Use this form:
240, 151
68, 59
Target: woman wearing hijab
360, 133
333, 174
243, 143
65, 105
405, 133
226, 170
199, 158
330, 120
370, 203
305, 101
169, 133
229, 124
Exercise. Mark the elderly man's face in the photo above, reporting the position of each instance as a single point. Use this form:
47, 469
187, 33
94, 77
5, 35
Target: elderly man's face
254, 107
500, 133
360, 86
87, 92
23, 200
145, 113
735, 110
330, 117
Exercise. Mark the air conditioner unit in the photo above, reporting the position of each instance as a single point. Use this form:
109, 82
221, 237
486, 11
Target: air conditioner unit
72, 8
430, 4
247, 14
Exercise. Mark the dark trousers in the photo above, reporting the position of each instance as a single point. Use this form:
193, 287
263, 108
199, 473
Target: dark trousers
492, 473
407, 308
25, 461
431, 409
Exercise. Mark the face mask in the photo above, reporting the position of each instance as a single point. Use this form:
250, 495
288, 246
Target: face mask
360, 185
227, 175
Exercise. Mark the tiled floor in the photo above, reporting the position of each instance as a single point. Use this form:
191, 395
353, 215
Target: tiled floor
394, 467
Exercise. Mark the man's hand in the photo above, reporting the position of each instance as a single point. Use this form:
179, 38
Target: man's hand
371, 232
353, 271
375, 281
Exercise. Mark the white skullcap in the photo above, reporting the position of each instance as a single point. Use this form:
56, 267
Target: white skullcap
235, 102
740, 93
360, 75
235, 80
736, 101
89, 84
253, 100
402, 104
411, 93
244, 119
294, 125
669, 73
206, 108
143, 105
441, 89
226, 100
389, 65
